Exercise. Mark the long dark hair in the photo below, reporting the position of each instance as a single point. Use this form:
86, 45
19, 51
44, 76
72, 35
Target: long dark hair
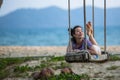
73, 32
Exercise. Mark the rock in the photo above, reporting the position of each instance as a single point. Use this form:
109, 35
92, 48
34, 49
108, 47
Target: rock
67, 71
44, 74
36, 75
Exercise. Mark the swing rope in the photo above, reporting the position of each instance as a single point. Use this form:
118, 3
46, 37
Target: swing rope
105, 26
84, 12
93, 16
69, 23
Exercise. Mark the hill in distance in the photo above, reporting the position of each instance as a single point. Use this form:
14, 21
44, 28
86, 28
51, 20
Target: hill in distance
57, 17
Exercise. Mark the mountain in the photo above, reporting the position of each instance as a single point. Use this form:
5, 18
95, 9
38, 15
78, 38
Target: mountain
57, 17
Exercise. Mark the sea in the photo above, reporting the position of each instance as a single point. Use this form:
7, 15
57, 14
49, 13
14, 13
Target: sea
53, 36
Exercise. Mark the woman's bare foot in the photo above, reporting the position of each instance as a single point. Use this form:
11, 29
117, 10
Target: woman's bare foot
89, 29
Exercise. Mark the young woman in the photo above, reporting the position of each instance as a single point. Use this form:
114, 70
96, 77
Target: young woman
78, 40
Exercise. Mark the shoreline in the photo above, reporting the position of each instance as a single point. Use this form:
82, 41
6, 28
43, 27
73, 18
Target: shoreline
22, 51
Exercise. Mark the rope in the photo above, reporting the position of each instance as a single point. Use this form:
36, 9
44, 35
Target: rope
93, 16
69, 23
69, 15
84, 10
105, 26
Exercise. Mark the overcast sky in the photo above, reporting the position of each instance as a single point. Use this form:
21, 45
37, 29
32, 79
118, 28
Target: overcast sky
12, 5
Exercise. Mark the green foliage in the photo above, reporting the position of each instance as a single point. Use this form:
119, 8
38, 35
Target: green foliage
62, 65
113, 67
70, 77
43, 65
114, 57
3, 74
37, 68
22, 69
67, 77
55, 59
4, 62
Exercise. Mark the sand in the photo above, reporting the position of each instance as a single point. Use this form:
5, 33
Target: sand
21, 51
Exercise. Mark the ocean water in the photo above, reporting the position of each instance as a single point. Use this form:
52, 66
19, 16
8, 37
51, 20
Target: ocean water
52, 36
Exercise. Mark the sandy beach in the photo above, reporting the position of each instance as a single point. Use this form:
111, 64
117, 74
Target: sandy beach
94, 70
21, 51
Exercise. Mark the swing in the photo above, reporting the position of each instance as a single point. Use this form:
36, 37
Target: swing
84, 55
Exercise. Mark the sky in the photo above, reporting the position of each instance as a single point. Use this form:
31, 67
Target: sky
12, 5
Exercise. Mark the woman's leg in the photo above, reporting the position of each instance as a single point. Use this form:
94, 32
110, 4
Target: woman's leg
90, 33
97, 49
92, 39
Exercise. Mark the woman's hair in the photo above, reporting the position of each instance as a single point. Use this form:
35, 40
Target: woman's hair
73, 32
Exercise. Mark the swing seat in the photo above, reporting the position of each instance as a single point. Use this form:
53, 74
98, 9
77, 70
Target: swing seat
101, 58
85, 56
81, 56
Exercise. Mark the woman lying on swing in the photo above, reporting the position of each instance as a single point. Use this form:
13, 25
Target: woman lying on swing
78, 40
